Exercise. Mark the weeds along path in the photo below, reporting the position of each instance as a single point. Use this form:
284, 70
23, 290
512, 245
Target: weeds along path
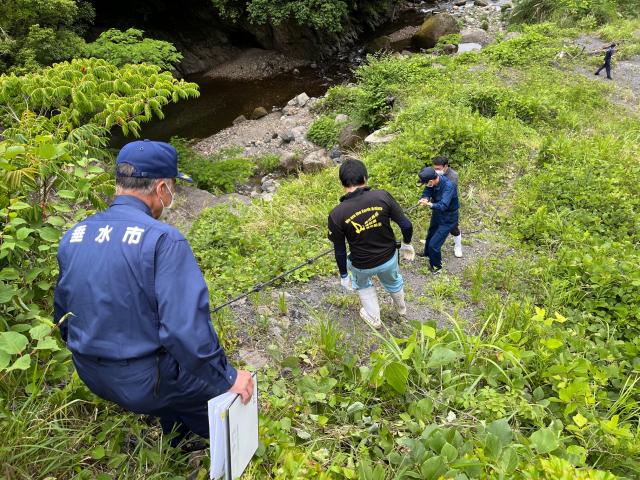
625, 71
279, 321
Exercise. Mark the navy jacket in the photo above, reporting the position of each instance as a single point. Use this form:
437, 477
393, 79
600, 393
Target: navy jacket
608, 54
444, 199
131, 286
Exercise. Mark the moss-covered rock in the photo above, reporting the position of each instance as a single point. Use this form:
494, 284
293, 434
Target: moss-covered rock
434, 28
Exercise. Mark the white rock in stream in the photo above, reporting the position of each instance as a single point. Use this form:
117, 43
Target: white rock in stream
302, 99
379, 137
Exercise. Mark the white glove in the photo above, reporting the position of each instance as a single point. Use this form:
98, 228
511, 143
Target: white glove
346, 282
407, 251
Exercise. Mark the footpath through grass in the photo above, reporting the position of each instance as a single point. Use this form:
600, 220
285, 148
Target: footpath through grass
548, 388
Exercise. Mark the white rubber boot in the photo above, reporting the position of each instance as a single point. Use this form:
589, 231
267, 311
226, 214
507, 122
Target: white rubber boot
398, 300
457, 249
370, 311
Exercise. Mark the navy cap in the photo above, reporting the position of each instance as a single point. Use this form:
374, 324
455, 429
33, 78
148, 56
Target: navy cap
426, 174
151, 159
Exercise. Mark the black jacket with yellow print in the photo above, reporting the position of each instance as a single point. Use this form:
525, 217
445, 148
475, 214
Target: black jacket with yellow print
363, 219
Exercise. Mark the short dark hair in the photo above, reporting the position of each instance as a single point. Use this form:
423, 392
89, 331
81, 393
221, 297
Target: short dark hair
353, 173
124, 180
440, 160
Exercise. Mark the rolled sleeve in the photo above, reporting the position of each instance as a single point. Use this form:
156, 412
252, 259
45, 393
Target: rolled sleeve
185, 327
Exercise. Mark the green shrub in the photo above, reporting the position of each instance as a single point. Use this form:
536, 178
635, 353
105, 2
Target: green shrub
452, 38
324, 131
268, 163
219, 173
565, 12
130, 46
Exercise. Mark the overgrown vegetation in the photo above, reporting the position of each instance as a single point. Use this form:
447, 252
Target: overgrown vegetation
325, 131
321, 15
566, 12
223, 171
544, 386
36, 34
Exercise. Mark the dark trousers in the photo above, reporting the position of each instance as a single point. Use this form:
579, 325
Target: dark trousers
607, 66
436, 235
154, 386
455, 231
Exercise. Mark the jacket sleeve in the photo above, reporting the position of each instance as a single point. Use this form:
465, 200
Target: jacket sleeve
185, 328
340, 250
398, 216
427, 192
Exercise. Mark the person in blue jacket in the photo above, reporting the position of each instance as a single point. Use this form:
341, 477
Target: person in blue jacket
607, 61
441, 196
133, 307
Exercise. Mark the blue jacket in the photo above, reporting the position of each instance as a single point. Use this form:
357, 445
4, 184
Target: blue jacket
444, 199
131, 286
608, 54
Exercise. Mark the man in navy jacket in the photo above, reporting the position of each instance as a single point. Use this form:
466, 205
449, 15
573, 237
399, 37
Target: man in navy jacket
441, 196
133, 305
607, 61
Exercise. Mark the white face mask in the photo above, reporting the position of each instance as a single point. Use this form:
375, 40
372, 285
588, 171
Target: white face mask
440, 172
167, 207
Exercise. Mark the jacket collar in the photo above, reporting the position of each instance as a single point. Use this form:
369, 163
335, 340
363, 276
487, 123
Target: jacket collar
355, 193
130, 201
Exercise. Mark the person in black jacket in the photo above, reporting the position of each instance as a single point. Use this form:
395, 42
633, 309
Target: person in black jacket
363, 219
607, 61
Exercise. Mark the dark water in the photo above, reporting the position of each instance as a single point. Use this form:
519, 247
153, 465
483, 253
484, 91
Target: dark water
221, 101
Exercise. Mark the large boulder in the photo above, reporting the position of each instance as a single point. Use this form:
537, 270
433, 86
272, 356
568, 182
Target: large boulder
476, 35
434, 28
379, 137
259, 112
290, 162
379, 43
316, 161
351, 136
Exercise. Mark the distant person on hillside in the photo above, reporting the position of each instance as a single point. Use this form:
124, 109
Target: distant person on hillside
133, 306
441, 166
363, 219
441, 196
607, 61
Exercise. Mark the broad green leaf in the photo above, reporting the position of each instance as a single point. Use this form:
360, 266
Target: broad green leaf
66, 194
13, 342
544, 440
19, 206
428, 331
6, 293
441, 356
433, 468
47, 343
501, 429
49, 234
5, 359
23, 233
580, 420
56, 221
449, 452
98, 452
553, 343
13, 151
396, 375
8, 274
39, 332
22, 363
